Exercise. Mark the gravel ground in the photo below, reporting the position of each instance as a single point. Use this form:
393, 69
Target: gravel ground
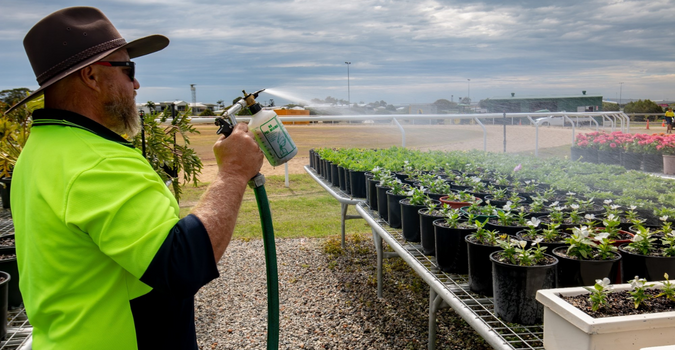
328, 301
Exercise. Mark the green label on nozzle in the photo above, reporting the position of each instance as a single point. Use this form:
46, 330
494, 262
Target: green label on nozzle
277, 138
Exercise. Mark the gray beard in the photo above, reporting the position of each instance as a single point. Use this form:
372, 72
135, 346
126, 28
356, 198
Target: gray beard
122, 116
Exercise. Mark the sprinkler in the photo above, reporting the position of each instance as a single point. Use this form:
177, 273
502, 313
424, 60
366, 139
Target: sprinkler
278, 147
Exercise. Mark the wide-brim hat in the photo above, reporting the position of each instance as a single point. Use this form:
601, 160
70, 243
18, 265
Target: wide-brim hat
73, 38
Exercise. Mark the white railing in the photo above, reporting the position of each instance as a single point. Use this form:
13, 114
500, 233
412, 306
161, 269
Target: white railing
572, 119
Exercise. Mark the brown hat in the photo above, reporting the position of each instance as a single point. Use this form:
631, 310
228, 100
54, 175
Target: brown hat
73, 38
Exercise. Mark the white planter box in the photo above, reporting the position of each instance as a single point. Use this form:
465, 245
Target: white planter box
568, 328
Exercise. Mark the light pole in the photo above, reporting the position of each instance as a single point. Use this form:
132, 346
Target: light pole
620, 92
349, 97
468, 82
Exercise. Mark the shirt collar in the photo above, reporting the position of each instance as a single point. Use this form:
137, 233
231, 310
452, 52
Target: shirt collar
68, 118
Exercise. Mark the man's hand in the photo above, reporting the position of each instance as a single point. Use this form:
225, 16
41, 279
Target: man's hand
238, 154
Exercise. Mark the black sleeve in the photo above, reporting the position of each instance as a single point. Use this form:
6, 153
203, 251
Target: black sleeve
184, 262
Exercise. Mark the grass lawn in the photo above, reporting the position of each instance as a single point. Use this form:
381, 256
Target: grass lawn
303, 210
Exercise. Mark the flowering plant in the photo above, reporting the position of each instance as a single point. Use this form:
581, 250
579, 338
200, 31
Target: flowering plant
599, 293
584, 244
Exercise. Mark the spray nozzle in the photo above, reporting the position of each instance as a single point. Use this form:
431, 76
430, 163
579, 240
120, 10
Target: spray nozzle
227, 121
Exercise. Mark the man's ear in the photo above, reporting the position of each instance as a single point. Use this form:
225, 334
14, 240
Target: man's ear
91, 78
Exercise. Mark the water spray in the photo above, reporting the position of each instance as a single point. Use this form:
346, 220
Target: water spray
278, 147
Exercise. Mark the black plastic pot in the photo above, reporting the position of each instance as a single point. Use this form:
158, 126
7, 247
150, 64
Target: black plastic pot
10, 266
480, 266
410, 220
334, 176
652, 163
590, 155
394, 209
578, 273
4, 293
515, 288
357, 181
632, 161
427, 235
451, 251
575, 153
609, 157
5, 184
311, 159
341, 178
509, 230
382, 206
371, 193
651, 268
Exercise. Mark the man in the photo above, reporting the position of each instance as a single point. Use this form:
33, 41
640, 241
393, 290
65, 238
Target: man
105, 261
669, 120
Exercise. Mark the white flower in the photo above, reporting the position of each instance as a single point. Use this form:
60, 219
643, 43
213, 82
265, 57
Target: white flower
637, 238
574, 206
602, 235
603, 282
507, 206
538, 240
664, 218
522, 244
475, 179
611, 217
582, 231
589, 216
607, 201
615, 206
632, 207
553, 204
637, 282
534, 222
571, 193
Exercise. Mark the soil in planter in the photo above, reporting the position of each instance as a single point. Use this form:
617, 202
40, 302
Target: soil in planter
620, 304
7, 242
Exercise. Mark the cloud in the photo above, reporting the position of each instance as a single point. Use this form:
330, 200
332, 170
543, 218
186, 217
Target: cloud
400, 50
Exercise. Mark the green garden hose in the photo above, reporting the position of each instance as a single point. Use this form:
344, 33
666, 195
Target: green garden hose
258, 185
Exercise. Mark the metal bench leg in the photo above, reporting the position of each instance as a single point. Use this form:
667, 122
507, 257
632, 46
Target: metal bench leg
435, 302
378, 247
344, 218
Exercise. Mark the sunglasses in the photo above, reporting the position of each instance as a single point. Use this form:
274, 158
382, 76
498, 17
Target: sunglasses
128, 64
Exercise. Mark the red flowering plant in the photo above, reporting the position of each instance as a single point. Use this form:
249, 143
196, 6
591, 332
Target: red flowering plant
610, 142
666, 145
642, 143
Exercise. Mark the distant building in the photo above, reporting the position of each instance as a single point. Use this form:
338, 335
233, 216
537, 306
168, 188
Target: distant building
579, 103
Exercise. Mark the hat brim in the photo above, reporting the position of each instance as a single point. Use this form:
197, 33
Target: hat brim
137, 48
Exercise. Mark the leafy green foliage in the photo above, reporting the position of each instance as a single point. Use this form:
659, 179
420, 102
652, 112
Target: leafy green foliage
599, 293
168, 150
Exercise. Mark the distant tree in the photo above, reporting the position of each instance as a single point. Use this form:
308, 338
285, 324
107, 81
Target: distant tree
391, 108
206, 113
331, 100
445, 105
317, 100
466, 101
485, 104
220, 103
640, 106
12, 96
607, 106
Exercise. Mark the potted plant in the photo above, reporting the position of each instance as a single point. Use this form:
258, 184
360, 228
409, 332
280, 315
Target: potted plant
459, 199
506, 221
451, 250
14, 132
608, 317
590, 256
517, 274
410, 219
398, 191
480, 244
428, 215
480, 212
551, 236
643, 257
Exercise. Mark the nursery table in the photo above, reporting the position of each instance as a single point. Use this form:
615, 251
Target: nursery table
19, 330
449, 290
445, 290
345, 199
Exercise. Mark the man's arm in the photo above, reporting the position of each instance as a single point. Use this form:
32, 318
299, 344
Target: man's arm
239, 159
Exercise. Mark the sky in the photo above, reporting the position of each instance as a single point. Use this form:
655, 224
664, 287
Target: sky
401, 52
